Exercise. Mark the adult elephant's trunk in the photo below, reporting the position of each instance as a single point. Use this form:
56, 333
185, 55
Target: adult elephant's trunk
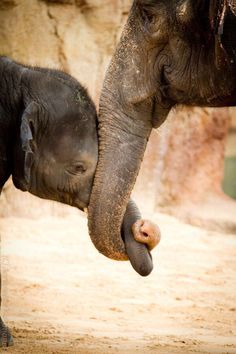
120, 156
125, 124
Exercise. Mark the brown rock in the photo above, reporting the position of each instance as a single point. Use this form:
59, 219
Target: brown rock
185, 157
7, 4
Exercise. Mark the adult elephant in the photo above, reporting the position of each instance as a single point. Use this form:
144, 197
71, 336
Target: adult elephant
171, 52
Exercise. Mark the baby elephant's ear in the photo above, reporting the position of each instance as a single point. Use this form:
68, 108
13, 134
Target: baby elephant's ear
28, 120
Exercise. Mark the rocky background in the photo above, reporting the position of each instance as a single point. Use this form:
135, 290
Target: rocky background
184, 163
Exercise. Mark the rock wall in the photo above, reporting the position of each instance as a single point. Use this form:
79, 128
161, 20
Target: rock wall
185, 157
77, 36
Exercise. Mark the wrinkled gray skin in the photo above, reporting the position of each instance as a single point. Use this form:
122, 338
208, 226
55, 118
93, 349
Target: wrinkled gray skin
48, 143
171, 52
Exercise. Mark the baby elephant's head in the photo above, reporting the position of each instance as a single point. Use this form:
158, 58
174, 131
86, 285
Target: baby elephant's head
56, 153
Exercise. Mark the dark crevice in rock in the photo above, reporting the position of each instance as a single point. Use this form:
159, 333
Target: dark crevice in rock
61, 54
8, 4
82, 4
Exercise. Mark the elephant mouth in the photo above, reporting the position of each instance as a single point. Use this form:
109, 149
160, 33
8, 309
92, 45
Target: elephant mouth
223, 21
20, 184
216, 8
218, 11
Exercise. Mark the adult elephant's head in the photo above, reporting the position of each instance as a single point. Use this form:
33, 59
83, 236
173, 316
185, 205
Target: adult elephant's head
170, 52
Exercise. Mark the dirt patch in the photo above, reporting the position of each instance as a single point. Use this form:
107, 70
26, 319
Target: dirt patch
61, 296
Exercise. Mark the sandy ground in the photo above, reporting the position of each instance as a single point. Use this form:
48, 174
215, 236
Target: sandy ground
61, 296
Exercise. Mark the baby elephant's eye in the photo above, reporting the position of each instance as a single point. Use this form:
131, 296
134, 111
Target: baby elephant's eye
76, 169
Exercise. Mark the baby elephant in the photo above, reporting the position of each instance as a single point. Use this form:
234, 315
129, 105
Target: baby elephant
49, 145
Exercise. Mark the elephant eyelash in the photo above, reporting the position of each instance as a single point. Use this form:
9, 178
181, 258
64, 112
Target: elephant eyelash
147, 15
77, 169
148, 11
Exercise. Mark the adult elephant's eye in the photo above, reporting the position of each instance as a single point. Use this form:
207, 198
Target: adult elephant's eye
147, 15
148, 11
78, 168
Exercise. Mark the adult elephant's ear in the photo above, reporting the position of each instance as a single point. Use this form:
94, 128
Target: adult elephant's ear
27, 132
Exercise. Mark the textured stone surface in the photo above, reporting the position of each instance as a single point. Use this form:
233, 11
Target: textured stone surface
6, 4
232, 118
185, 158
77, 36
193, 163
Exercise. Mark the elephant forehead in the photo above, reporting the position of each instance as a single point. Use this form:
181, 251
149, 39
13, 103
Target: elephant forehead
71, 147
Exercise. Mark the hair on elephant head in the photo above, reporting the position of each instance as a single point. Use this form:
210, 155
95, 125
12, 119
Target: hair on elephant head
171, 52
